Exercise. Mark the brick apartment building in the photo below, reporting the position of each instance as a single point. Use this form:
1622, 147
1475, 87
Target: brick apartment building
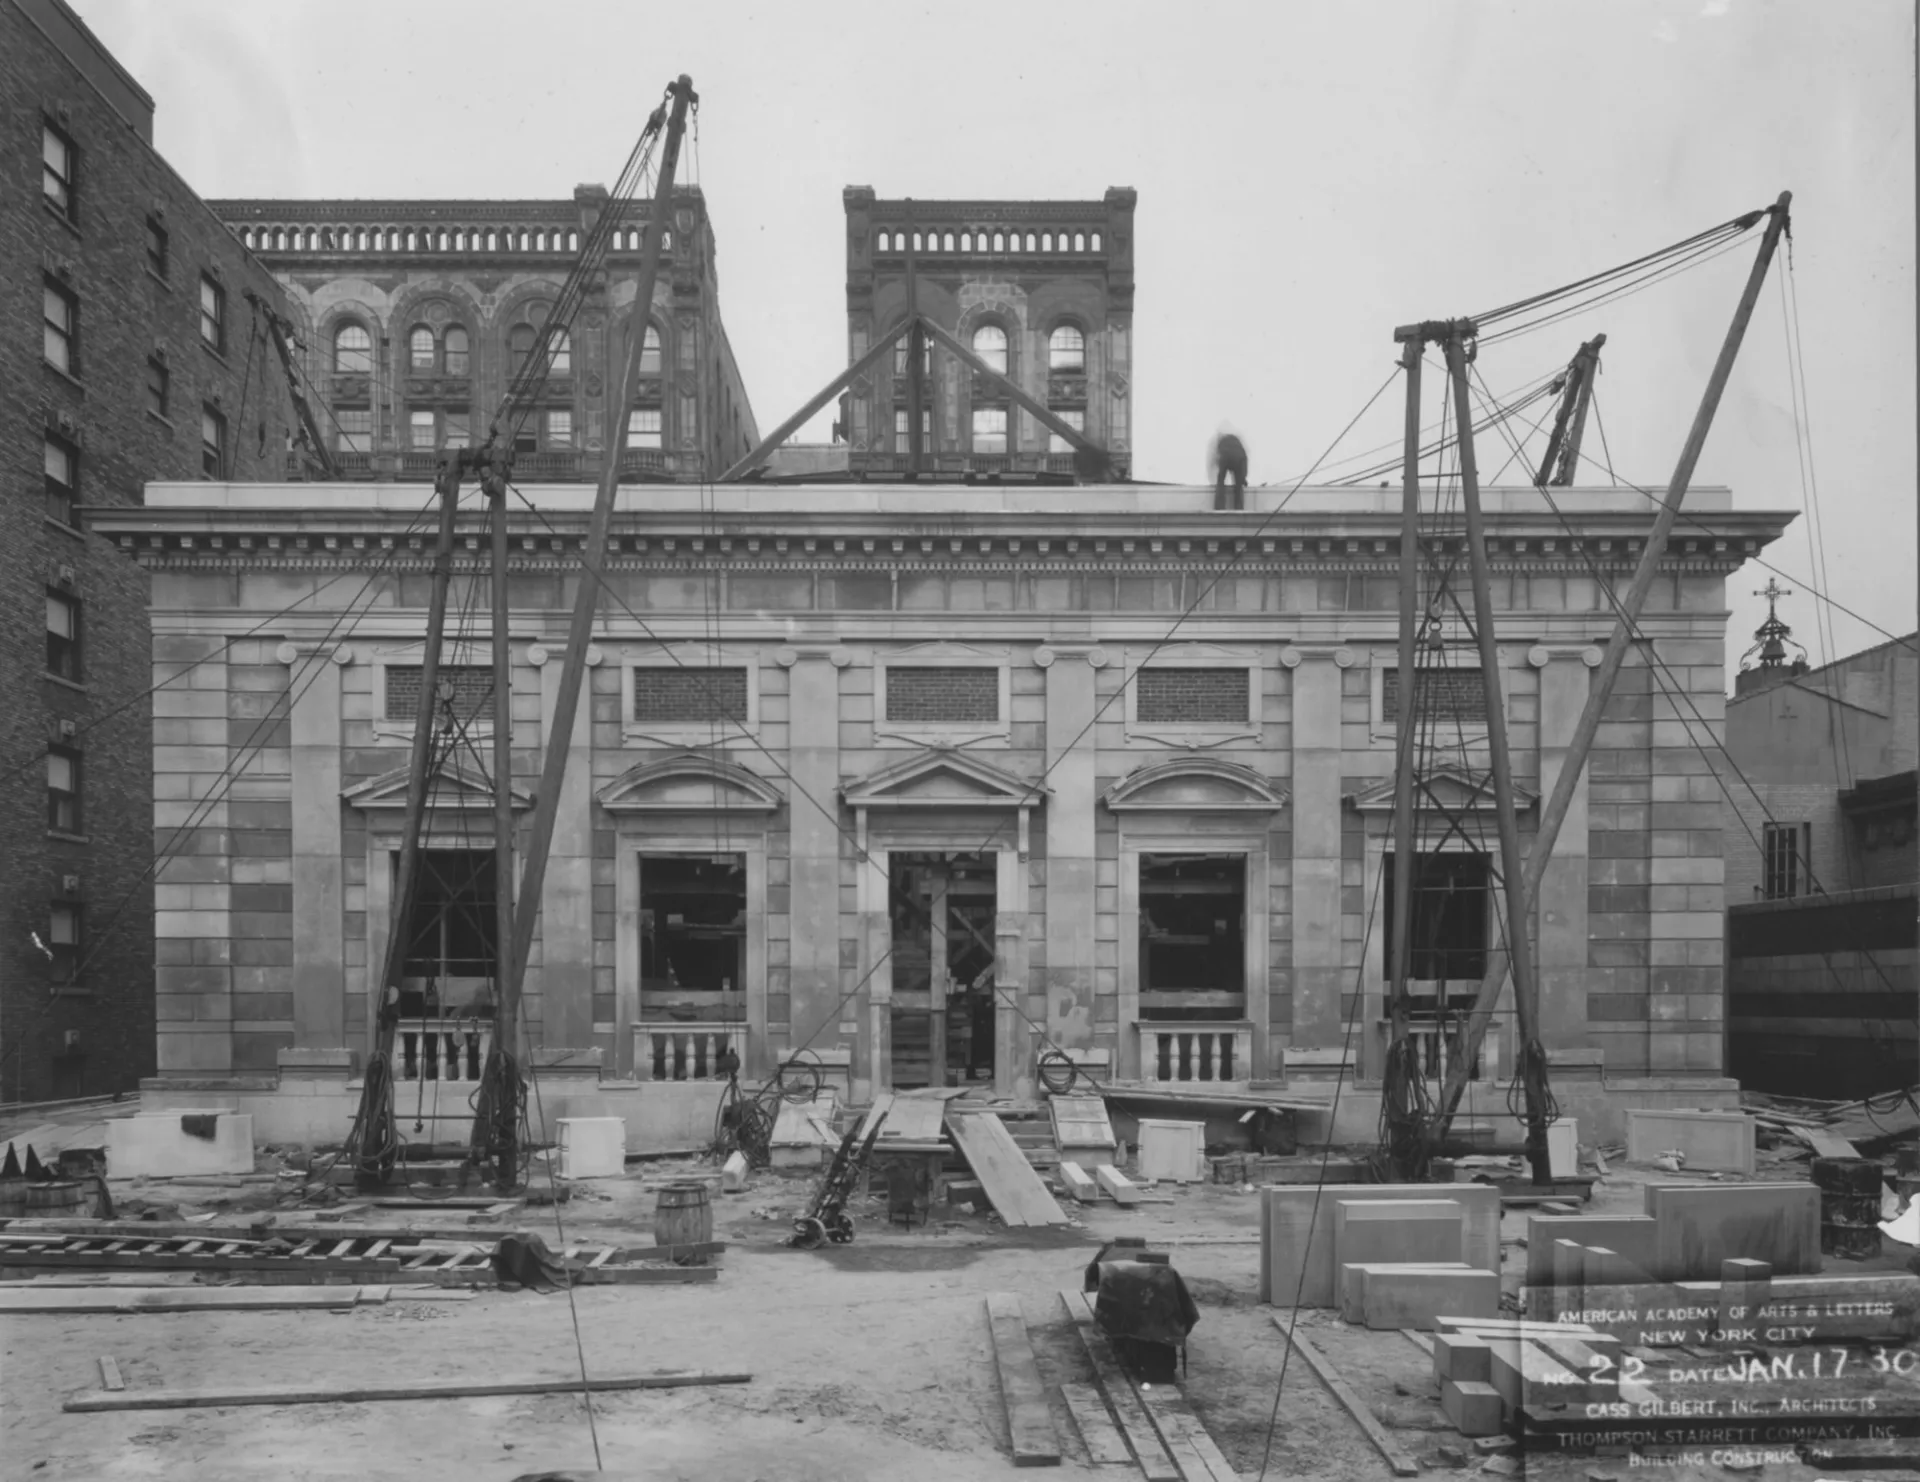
129, 351
413, 316
1040, 290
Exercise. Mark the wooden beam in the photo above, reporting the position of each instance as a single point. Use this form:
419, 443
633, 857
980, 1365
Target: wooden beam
1046, 418
1396, 1457
110, 1374
345, 1393
1029, 1421
1105, 1445
122, 1299
1117, 1184
768, 444
1186, 1439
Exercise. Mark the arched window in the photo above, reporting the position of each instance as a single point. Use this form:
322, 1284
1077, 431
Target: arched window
999, 241
1032, 242
949, 241
1079, 241
420, 349
650, 352
455, 346
966, 241
519, 347
1046, 241
352, 351
990, 344
1066, 348
561, 360
1096, 241
880, 243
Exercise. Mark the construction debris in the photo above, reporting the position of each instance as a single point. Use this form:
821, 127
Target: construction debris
318, 1394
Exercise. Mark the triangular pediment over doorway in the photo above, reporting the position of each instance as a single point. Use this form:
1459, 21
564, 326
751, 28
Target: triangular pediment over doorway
689, 782
942, 778
1196, 784
449, 786
1446, 789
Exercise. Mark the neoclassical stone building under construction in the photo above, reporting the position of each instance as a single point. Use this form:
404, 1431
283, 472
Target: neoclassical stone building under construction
919, 781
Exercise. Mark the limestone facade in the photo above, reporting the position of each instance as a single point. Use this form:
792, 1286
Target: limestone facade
413, 316
1078, 708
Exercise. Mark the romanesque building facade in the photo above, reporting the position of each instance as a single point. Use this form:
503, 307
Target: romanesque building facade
413, 318
923, 785
133, 350
1040, 290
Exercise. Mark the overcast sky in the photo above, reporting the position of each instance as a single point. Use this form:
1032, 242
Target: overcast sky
1309, 176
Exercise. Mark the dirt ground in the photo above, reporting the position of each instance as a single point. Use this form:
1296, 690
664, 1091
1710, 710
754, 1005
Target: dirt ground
869, 1361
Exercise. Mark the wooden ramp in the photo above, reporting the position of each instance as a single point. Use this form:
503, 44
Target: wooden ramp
1009, 1179
915, 1116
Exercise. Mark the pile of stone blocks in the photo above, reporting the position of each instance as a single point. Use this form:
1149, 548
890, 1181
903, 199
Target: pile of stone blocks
1685, 1234
1491, 1369
1388, 1255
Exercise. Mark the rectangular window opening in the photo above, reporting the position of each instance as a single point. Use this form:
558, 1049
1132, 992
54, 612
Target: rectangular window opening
693, 945
353, 431
1074, 417
1784, 860
942, 918
63, 478
643, 427
467, 689
989, 429
63, 941
213, 443
682, 695
1444, 696
213, 313
60, 338
943, 695
58, 170
157, 385
1201, 696
63, 635
1193, 910
1451, 919
156, 247
450, 935
63, 790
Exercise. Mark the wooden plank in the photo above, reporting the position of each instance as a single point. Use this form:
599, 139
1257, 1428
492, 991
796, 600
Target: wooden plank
1029, 1421
609, 1275
350, 1393
913, 1117
110, 1374
120, 1299
1397, 1459
1081, 1122
1010, 1181
1105, 1445
1117, 1184
1084, 1189
1186, 1439
1155, 1464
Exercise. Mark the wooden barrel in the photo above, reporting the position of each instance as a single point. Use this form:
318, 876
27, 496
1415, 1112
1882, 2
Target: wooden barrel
13, 1198
682, 1215
1849, 1206
62, 1197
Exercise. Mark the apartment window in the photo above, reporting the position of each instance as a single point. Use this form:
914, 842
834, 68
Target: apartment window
680, 695
458, 430
519, 347
990, 344
454, 348
353, 430
559, 429
1448, 929
63, 790
421, 349
420, 427
465, 689
58, 169
1066, 349
213, 313
1074, 417
1191, 696
62, 313
63, 478
213, 443
1784, 849
560, 361
643, 427
650, 352
156, 247
63, 635
63, 940
942, 695
1443, 696
352, 351
901, 425
900, 366
989, 429
157, 379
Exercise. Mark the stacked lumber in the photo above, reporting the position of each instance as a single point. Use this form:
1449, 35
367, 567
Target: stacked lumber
1492, 1371
1029, 1420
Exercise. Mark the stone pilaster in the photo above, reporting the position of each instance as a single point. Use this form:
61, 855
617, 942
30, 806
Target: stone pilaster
1318, 975
319, 887
566, 896
814, 762
1560, 912
1068, 982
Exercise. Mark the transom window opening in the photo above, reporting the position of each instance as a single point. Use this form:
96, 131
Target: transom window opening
943, 694
1193, 936
683, 695
465, 692
1169, 696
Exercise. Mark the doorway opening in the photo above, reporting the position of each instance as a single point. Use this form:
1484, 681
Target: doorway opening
942, 910
693, 960
1449, 936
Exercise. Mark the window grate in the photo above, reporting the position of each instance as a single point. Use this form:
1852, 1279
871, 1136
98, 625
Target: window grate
471, 689
1191, 696
949, 695
677, 695
1443, 696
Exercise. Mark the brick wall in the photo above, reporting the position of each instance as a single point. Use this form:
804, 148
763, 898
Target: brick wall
128, 316
685, 694
472, 686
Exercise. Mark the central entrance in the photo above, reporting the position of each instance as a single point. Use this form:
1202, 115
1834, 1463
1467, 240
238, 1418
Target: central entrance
941, 912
